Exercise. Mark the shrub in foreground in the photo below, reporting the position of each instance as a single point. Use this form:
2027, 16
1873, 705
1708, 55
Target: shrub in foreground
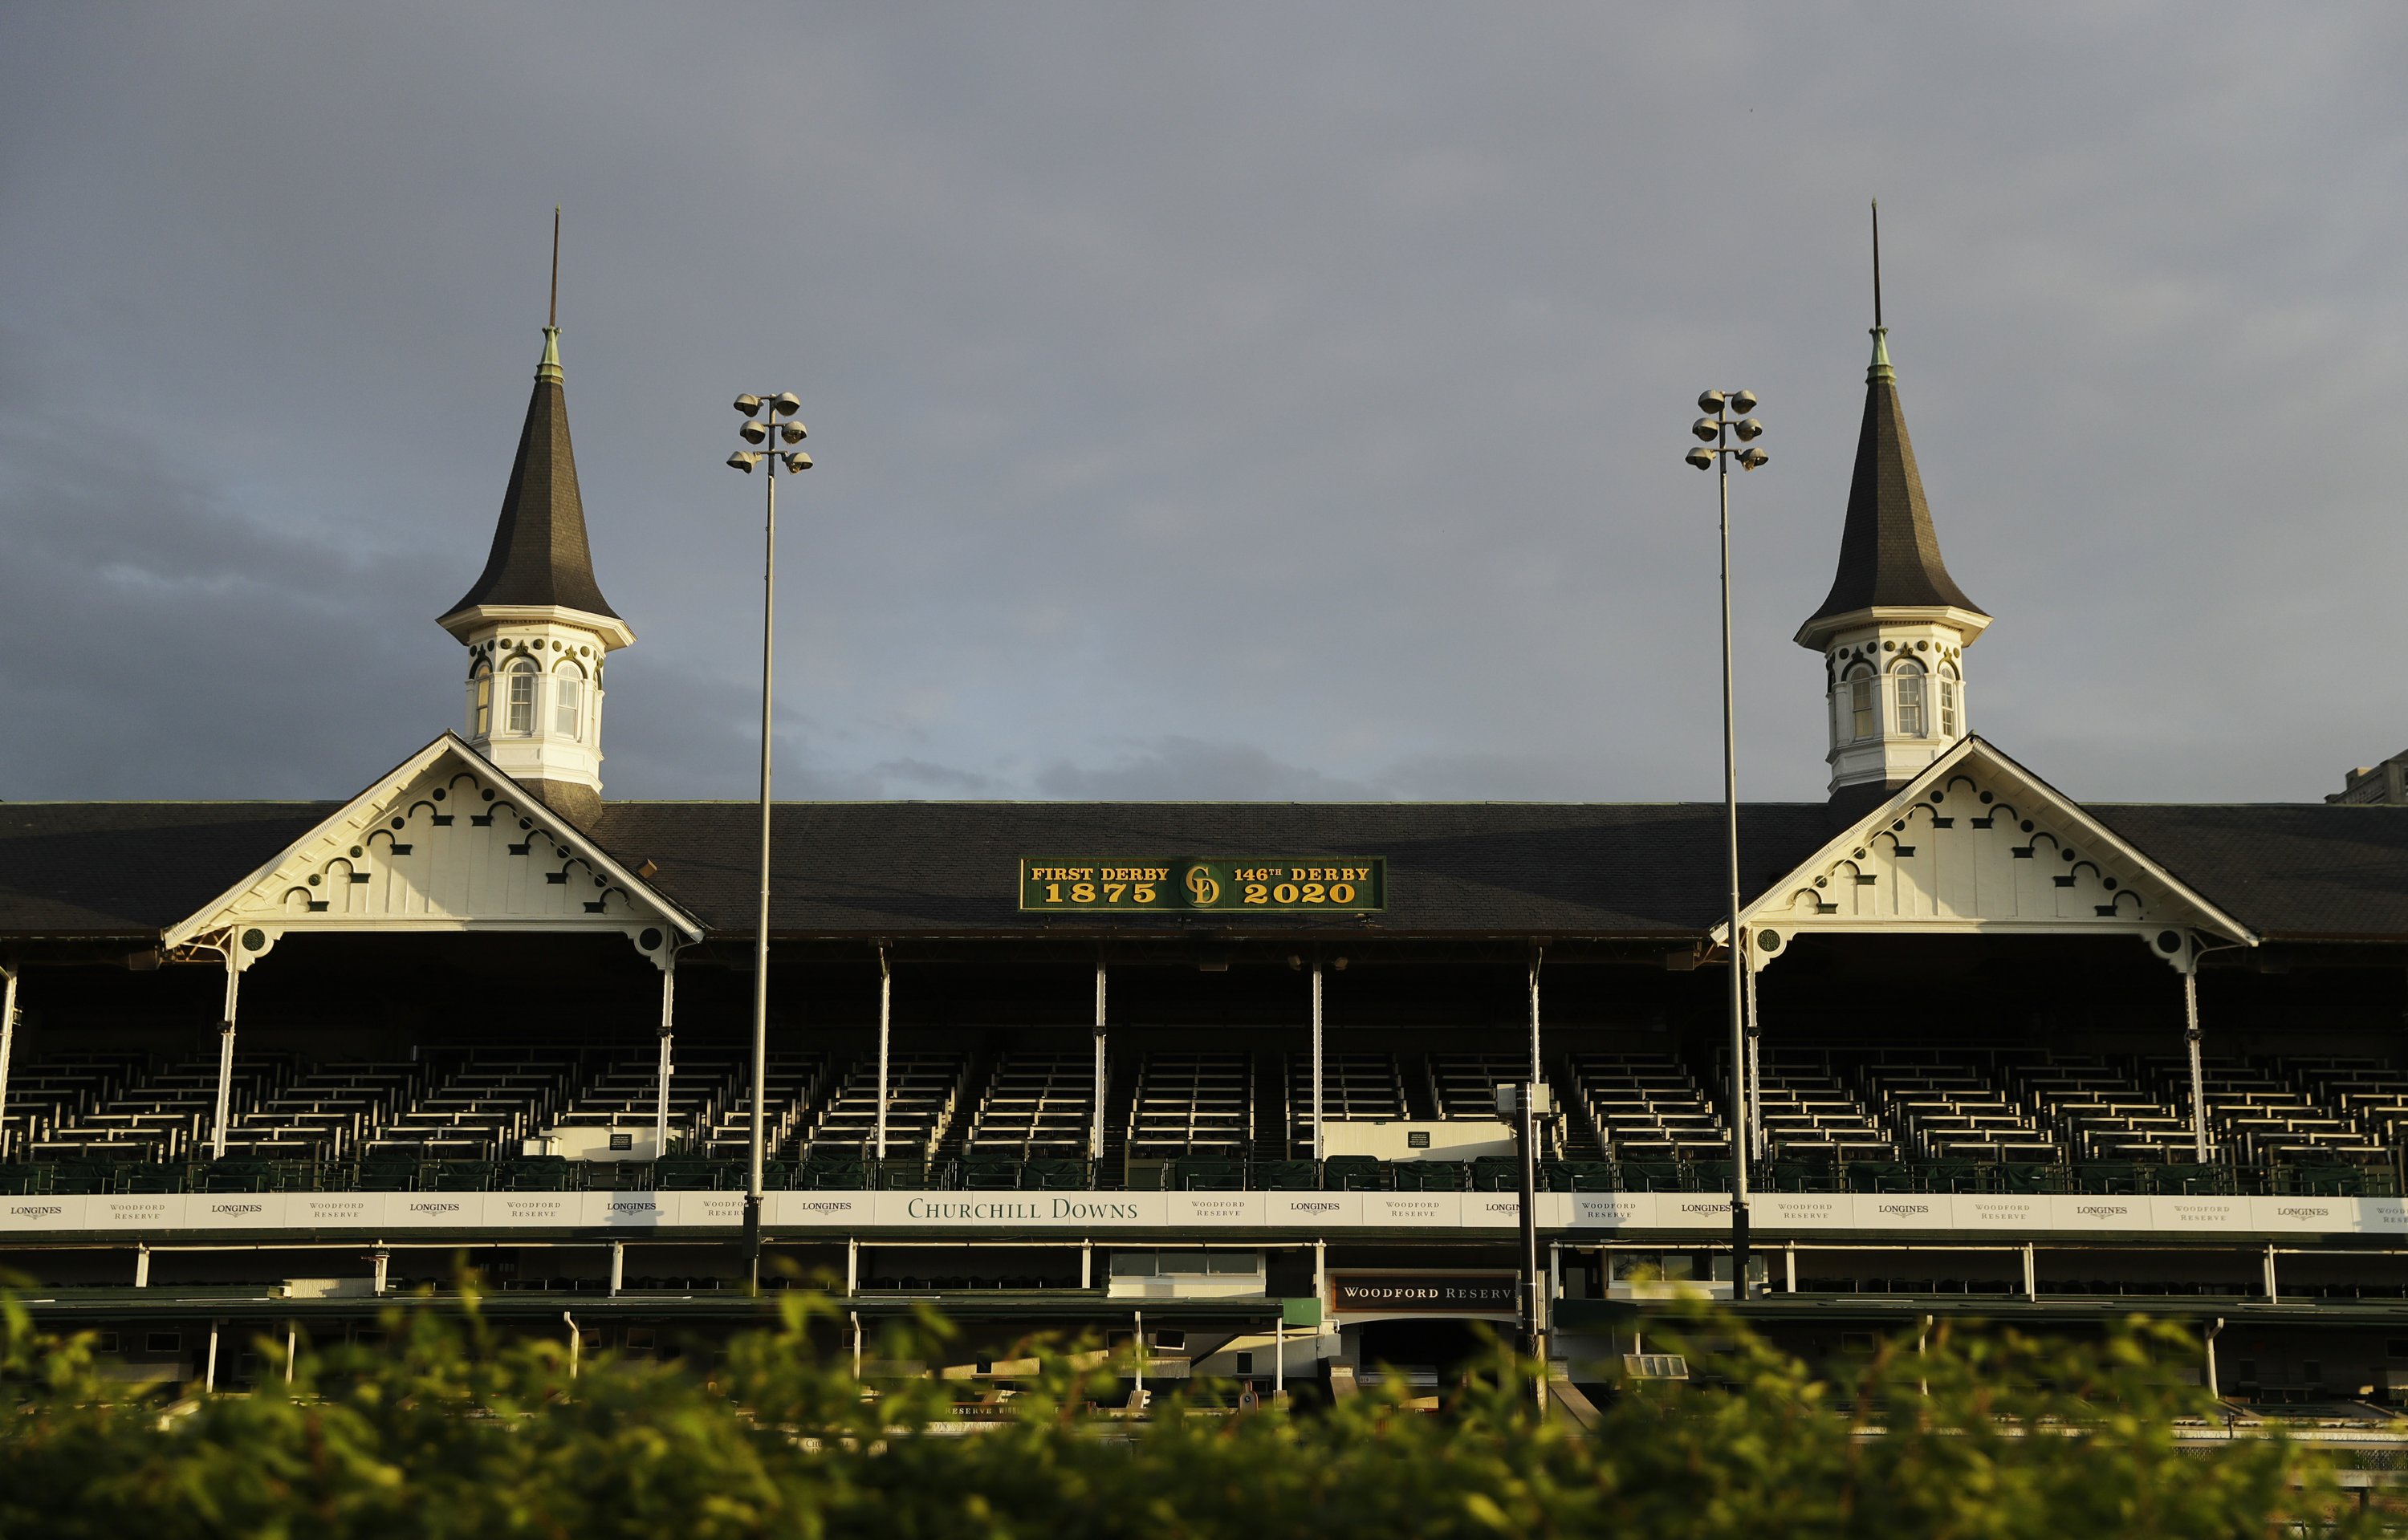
449, 1429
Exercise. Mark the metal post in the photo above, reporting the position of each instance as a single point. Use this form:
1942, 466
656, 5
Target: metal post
292, 1345
669, 1032
852, 1266
885, 1019
618, 1267
576, 1342
857, 1344
1739, 1113
2197, 1071
1096, 1128
1086, 1265
2214, 1330
225, 1053
142, 1268
1754, 1052
8, 1042
381, 1269
1140, 1360
2274, 1295
1537, 957
1316, 1060
1279, 1359
209, 1377
761, 936
2032, 1271
1526, 1130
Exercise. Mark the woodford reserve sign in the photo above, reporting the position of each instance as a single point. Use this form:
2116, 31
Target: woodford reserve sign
1261, 884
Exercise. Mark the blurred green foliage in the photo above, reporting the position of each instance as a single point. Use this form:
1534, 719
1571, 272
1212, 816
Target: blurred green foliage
454, 1428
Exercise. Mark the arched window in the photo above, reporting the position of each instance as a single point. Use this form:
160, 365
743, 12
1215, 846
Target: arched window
568, 700
481, 703
520, 720
1860, 703
1910, 700
1948, 701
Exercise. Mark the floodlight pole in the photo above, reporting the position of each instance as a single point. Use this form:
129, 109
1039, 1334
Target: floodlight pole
1716, 451
761, 936
1734, 968
777, 425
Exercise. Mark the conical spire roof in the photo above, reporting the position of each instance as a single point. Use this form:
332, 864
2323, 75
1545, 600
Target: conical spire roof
539, 554
1888, 555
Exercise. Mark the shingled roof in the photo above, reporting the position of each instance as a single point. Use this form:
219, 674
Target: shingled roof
539, 555
1888, 555
2302, 872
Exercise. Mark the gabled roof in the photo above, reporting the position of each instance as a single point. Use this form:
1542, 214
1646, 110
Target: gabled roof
540, 556
484, 876
1889, 558
1978, 842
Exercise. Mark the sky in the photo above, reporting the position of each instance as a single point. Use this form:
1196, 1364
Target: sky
1242, 401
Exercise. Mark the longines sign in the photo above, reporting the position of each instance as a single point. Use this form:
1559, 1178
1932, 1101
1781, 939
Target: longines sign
1258, 884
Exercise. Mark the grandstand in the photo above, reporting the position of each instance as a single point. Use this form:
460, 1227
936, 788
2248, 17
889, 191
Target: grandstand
1216, 1068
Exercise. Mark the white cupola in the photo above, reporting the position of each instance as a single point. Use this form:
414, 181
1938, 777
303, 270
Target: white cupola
1894, 630
535, 626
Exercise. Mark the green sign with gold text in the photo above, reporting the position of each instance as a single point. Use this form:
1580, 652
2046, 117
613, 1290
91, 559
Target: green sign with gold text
1264, 884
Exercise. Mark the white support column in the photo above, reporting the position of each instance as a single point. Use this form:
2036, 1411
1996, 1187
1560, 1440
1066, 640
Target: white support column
382, 1263
852, 1266
1754, 1053
142, 1268
2214, 1330
885, 1015
1316, 1058
1538, 957
225, 1052
1140, 1360
1086, 1265
2274, 1295
292, 1345
2032, 1272
210, 1376
668, 1035
2197, 1071
1279, 1361
7, 1036
857, 1344
1095, 1129
1789, 1267
618, 1267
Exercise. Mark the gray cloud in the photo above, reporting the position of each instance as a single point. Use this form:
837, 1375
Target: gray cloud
1308, 385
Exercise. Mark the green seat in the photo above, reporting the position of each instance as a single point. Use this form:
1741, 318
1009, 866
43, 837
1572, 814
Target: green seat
1497, 1174
237, 1176
691, 1174
1431, 1175
1355, 1174
462, 1176
1146, 1175
1879, 1176
1285, 1176
2110, 1177
1651, 1177
1579, 1176
837, 1172
24, 1179
388, 1175
902, 1174
1056, 1174
990, 1176
2190, 1180
1200, 1174
147, 1177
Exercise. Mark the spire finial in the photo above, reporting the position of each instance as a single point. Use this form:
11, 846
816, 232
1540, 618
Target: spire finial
1880, 369
553, 320
549, 367
1877, 310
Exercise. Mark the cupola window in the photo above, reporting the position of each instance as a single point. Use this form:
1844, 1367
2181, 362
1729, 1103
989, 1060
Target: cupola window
481, 704
1860, 704
1948, 703
567, 701
521, 718
1910, 700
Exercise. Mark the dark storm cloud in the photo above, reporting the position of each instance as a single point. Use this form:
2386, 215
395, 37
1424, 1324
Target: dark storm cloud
1243, 401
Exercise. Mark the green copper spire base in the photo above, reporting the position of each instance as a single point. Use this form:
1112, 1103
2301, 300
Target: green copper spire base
1881, 369
549, 367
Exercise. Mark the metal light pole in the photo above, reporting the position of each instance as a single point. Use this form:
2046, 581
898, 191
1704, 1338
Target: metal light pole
1716, 430
758, 429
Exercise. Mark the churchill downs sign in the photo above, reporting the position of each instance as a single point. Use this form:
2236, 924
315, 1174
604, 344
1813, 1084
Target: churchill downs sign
1355, 884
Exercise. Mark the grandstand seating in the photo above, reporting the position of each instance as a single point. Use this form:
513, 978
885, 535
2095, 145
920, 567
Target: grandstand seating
1354, 1087
1036, 1107
1872, 1119
1189, 1105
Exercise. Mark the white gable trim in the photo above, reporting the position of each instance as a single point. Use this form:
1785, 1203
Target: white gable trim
1922, 863
479, 878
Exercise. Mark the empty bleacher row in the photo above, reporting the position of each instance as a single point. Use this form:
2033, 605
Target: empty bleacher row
1967, 1118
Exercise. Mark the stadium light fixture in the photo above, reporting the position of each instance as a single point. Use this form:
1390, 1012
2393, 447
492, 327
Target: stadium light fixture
756, 429
1717, 429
